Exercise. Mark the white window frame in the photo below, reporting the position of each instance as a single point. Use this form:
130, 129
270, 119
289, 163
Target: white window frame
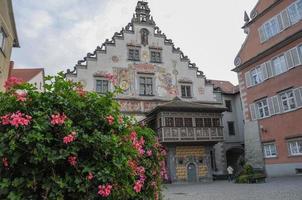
280, 67
295, 144
101, 79
270, 150
186, 85
288, 97
256, 76
273, 26
297, 16
3, 37
262, 107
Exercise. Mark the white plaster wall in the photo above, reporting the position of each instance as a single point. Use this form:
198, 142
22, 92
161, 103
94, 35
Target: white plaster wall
104, 63
37, 81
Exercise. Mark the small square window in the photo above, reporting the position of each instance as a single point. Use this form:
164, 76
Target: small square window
188, 122
169, 121
231, 128
133, 54
228, 104
146, 86
179, 122
269, 150
102, 86
155, 57
199, 122
186, 91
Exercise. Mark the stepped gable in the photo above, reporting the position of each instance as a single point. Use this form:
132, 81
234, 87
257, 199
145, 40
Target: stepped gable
141, 16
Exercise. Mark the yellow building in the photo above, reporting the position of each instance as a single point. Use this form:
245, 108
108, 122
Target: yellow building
8, 38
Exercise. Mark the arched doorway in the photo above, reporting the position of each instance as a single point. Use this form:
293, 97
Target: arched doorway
192, 172
234, 156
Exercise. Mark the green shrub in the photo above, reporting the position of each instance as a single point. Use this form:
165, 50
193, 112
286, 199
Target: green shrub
65, 143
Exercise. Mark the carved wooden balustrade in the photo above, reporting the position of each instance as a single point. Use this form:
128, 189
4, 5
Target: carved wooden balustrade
190, 134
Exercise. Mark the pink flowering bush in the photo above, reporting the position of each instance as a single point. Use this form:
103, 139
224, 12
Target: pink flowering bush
66, 143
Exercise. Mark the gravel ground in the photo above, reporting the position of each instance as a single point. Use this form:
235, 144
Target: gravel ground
285, 188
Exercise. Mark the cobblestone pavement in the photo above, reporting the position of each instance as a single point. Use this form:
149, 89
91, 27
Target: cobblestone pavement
285, 188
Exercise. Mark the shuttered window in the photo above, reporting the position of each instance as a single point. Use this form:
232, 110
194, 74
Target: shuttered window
262, 108
256, 76
293, 13
295, 56
288, 100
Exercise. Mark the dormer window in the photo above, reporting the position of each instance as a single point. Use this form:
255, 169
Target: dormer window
155, 56
133, 54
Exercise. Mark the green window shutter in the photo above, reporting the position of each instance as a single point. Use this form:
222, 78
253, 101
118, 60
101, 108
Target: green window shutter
295, 56
289, 59
270, 106
264, 71
269, 69
285, 19
276, 104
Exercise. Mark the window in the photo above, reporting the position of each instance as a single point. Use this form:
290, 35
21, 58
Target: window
199, 122
169, 122
262, 107
102, 86
133, 54
256, 76
299, 7
288, 100
269, 150
2, 39
271, 27
231, 128
216, 122
295, 147
279, 64
228, 104
186, 91
155, 56
188, 122
207, 122
146, 86
179, 122
293, 13
300, 51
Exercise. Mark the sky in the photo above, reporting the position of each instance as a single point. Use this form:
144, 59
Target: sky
55, 34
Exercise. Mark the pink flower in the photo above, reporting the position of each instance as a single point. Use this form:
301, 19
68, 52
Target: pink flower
110, 119
69, 138
58, 119
72, 160
120, 120
21, 95
5, 162
133, 136
138, 186
80, 91
5, 119
16, 119
163, 152
11, 82
90, 176
149, 153
104, 190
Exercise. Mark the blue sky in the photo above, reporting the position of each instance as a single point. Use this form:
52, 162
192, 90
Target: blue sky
55, 34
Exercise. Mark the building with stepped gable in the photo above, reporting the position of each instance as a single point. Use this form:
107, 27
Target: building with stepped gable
165, 90
269, 67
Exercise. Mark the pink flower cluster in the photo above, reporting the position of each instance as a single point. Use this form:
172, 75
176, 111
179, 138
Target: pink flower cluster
137, 144
5, 162
11, 82
105, 190
16, 119
138, 171
110, 120
58, 119
70, 138
90, 176
163, 170
112, 78
72, 160
80, 91
21, 95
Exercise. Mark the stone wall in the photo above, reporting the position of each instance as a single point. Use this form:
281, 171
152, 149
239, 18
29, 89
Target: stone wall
190, 154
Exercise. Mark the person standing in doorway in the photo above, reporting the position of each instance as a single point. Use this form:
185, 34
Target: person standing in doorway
230, 173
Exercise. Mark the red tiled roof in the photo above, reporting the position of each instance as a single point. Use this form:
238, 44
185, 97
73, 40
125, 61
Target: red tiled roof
225, 86
26, 74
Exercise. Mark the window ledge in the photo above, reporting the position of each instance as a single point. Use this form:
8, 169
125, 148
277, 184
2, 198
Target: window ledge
294, 156
272, 157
